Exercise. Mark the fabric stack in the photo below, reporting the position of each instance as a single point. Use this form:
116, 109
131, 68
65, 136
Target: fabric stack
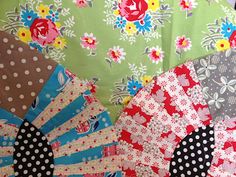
51, 124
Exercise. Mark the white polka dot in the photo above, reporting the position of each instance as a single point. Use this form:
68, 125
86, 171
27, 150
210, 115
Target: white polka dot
23, 60
32, 128
204, 134
5, 40
211, 132
4, 77
20, 166
50, 154
43, 138
203, 174
16, 173
26, 141
16, 143
48, 173
12, 63
43, 168
190, 140
45, 149
192, 155
33, 157
36, 151
41, 156
179, 160
8, 51
186, 157
37, 162
20, 49
198, 144
24, 107
27, 152
11, 46
31, 146
205, 149
21, 96
22, 130
35, 58
41, 81
206, 156
15, 74
201, 166
15, 161
191, 147
29, 164
22, 148
27, 72
7, 88
185, 150
10, 99
30, 83
193, 161
197, 137
24, 159
211, 139
49, 67
39, 175
34, 169
18, 85
18, 154
208, 164
38, 70
178, 153
189, 172
46, 161
1, 65
32, 93
19, 137
52, 166
12, 109
204, 141
181, 167
195, 169
200, 159
35, 140
174, 171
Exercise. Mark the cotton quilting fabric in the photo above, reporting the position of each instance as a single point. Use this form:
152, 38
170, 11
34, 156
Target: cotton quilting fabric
65, 130
126, 43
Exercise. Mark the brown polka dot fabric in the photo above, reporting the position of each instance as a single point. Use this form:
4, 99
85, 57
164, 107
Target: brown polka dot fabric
23, 72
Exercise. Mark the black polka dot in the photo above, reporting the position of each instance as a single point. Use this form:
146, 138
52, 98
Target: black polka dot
32, 155
193, 155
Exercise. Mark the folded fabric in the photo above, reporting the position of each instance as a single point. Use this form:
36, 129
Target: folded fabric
121, 43
168, 130
51, 124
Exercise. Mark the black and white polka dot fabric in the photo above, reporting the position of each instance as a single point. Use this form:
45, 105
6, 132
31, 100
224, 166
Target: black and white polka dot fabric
193, 155
33, 155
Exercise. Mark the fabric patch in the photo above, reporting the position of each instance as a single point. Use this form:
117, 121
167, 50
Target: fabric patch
217, 75
33, 155
193, 155
23, 73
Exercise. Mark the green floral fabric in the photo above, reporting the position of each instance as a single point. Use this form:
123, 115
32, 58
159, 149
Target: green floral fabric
119, 45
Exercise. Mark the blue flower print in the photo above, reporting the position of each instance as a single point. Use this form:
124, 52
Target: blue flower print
28, 17
134, 87
145, 24
120, 22
54, 16
227, 29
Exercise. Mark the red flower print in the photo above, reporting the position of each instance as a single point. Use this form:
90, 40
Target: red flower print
133, 10
81, 3
43, 31
83, 127
232, 39
56, 145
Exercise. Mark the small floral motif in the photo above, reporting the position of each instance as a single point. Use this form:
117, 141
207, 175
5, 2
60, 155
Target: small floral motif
188, 6
155, 54
222, 45
115, 54
195, 94
89, 42
83, 3
128, 87
137, 17
134, 87
205, 70
40, 26
182, 44
216, 100
221, 35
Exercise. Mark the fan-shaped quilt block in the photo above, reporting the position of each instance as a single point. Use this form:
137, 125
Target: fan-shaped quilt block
65, 132
167, 129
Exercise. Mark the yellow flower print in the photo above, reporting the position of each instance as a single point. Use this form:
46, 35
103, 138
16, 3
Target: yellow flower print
43, 10
58, 24
24, 35
153, 5
222, 44
59, 43
126, 100
146, 79
130, 28
116, 12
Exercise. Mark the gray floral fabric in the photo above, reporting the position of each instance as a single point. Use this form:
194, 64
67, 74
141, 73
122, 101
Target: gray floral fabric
217, 75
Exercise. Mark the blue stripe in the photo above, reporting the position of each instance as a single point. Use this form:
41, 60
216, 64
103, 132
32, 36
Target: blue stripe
49, 91
107, 174
10, 118
103, 120
65, 114
5, 161
7, 141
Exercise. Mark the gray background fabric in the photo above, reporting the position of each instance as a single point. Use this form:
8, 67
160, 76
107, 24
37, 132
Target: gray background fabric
217, 75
